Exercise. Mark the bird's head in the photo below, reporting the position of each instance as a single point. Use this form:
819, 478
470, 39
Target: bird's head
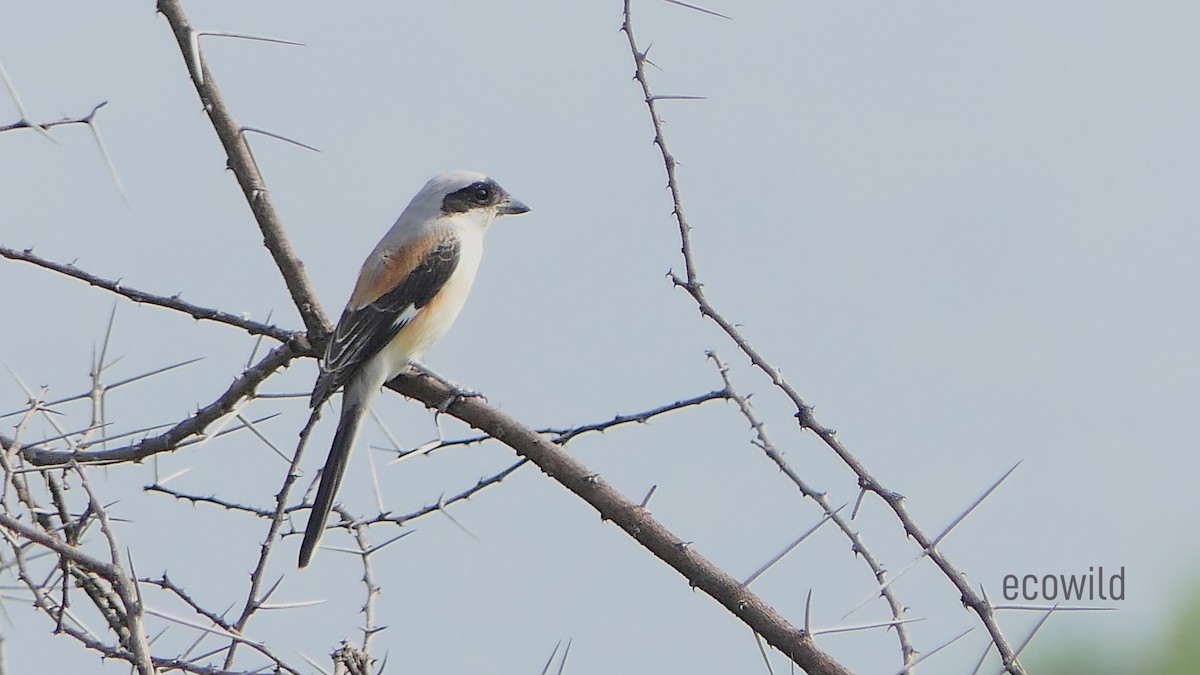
468, 194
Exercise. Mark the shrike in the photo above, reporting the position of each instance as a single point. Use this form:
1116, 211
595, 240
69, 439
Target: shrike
410, 290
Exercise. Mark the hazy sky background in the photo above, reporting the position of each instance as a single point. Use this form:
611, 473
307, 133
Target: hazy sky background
966, 232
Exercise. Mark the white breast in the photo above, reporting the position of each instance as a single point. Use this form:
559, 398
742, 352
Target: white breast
432, 321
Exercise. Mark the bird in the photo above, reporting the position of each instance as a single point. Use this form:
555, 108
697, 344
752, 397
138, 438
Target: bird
410, 290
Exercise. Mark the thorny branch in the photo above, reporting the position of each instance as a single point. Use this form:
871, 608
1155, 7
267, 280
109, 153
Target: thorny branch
43, 126
690, 282
114, 593
126, 588
370, 625
243, 388
130, 616
241, 162
563, 435
253, 600
764, 443
142, 297
559, 436
547, 454
633, 519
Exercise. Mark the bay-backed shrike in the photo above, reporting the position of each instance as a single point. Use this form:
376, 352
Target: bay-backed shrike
410, 290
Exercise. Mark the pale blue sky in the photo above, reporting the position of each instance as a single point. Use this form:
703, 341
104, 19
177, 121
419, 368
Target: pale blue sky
966, 232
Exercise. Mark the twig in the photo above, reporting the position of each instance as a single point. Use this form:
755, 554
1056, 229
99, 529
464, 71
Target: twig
256, 577
139, 655
215, 501
559, 437
441, 504
167, 585
370, 628
142, 297
42, 126
857, 545
945, 532
125, 587
242, 388
564, 435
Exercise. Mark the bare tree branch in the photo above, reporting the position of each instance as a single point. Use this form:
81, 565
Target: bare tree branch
253, 600
242, 388
634, 520
241, 162
42, 126
126, 588
142, 297
690, 282
764, 443
139, 653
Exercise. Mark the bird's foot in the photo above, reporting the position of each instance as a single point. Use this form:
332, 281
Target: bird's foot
457, 393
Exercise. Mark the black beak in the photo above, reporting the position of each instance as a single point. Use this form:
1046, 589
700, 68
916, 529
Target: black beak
511, 207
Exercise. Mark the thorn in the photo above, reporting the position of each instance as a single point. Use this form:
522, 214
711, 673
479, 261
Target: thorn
699, 9
646, 499
389, 542
258, 38
910, 665
112, 169
442, 509
788, 549
975, 504
865, 626
276, 136
194, 62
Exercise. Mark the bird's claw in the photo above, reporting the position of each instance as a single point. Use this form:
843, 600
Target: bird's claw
457, 393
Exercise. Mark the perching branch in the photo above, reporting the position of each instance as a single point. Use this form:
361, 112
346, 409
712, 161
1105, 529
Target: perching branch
634, 520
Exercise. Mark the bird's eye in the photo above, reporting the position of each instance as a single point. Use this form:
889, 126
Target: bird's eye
482, 194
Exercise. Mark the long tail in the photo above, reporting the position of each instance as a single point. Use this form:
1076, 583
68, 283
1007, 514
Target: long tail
331, 477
